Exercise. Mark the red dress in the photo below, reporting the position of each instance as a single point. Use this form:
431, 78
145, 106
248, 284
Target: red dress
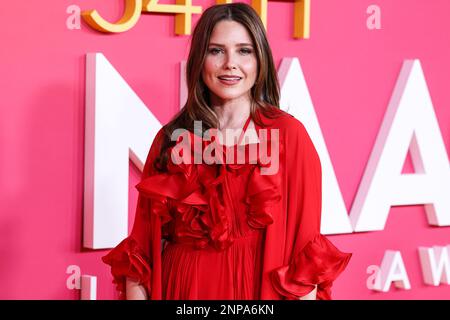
230, 231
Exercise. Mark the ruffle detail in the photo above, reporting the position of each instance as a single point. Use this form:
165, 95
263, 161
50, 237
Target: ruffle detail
192, 195
127, 259
319, 263
262, 194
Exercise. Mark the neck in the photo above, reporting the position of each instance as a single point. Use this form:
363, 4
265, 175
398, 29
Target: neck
232, 114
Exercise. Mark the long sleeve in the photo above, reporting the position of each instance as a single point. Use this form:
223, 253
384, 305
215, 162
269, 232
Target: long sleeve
309, 258
138, 255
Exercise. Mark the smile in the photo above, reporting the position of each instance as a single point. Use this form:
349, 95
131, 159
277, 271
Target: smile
229, 81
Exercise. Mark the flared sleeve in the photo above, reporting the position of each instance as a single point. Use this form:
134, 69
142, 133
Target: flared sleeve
309, 259
138, 255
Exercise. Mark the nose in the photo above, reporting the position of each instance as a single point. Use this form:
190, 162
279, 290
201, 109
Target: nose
230, 61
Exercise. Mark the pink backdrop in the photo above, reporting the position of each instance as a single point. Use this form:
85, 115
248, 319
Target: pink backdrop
350, 70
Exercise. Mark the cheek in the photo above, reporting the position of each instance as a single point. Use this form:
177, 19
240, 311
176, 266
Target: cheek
251, 67
210, 66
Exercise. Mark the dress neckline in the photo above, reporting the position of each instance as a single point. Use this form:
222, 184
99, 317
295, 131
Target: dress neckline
241, 136
244, 129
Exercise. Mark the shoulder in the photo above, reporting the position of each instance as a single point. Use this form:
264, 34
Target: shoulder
294, 135
157, 141
285, 122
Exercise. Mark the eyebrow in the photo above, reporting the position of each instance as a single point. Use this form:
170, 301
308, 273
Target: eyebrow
239, 44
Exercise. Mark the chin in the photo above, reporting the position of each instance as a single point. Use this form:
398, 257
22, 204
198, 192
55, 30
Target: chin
229, 96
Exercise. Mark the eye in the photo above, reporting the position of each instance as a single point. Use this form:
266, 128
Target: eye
246, 50
214, 51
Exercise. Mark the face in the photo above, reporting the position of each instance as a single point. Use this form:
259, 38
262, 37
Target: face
230, 52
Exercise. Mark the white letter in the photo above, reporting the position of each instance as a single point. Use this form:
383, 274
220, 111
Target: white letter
88, 287
435, 265
73, 21
373, 21
392, 270
410, 121
73, 281
274, 159
181, 151
373, 281
118, 127
213, 151
296, 100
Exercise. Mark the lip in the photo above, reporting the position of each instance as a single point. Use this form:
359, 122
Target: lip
229, 82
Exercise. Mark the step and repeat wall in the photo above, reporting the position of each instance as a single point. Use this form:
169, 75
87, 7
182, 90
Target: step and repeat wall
86, 85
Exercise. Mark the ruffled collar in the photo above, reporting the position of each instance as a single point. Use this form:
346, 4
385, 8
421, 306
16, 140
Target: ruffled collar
192, 192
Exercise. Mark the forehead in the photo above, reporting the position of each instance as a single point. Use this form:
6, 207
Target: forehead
228, 32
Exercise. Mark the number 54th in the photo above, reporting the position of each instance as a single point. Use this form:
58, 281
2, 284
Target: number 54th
184, 10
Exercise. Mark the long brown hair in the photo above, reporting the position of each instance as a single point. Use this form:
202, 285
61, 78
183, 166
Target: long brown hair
265, 93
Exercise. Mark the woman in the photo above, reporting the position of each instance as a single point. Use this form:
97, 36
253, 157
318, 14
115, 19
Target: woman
230, 230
